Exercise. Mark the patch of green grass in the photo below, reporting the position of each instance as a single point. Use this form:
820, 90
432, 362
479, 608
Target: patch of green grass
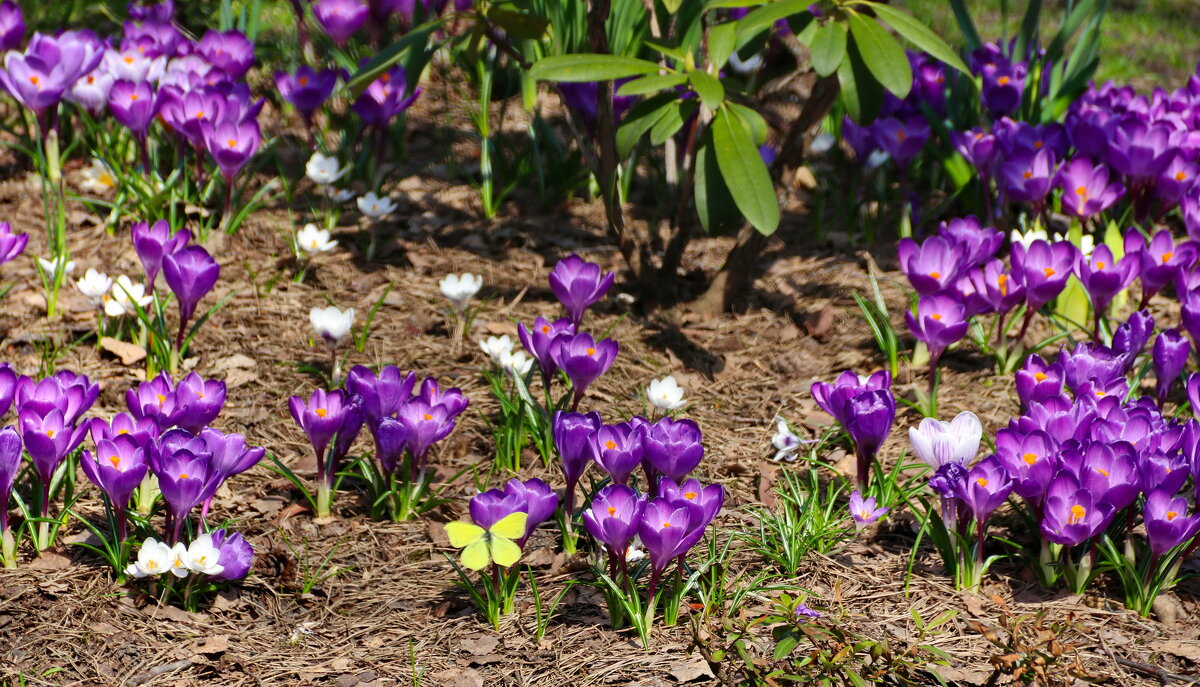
1147, 43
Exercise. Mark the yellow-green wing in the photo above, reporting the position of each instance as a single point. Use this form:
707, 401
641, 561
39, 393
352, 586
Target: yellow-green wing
511, 526
463, 533
505, 551
475, 556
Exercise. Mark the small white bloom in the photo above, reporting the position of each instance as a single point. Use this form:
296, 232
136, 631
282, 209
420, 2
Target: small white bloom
313, 240
877, 159
460, 288
332, 323
202, 556
785, 442
337, 195
822, 143
1087, 243
98, 178
626, 298
635, 552
666, 393
179, 558
323, 169
516, 363
50, 266
938, 443
154, 558
124, 294
747, 65
1028, 237
372, 205
94, 285
496, 346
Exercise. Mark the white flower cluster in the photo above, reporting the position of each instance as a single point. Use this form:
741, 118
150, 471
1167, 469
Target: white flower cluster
118, 297
500, 349
156, 558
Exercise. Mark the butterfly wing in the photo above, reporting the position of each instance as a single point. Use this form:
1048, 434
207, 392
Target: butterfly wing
511, 526
476, 555
462, 533
505, 551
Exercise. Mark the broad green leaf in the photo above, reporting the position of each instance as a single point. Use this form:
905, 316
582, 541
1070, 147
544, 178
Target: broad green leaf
714, 205
590, 67
862, 96
763, 17
527, 26
651, 84
389, 56
672, 121
710, 90
882, 54
753, 121
667, 49
744, 172
920, 35
722, 40
828, 47
639, 119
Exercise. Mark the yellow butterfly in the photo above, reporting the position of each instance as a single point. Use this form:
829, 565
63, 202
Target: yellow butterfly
494, 545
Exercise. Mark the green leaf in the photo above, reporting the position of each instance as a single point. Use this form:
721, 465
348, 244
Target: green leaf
1029, 28
668, 49
882, 54
389, 56
714, 205
753, 121
966, 25
722, 40
744, 172
762, 18
785, 646
920, 35
672, 121
527, 26
862, 96
672, 5
710, 90
590, 67
733, 4
828, 47
651, 84
640, 118
1071, 24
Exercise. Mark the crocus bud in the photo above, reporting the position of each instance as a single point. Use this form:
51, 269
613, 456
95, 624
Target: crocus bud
578, 285
1170, 356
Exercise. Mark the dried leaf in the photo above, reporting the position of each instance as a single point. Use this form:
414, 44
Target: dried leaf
129, 353
690, 671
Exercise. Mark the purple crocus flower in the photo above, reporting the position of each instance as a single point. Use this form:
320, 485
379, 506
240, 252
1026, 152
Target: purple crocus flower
1107, 470
326, 415
539, 501
1104, 277
902, 140
381, 394
153, 400
1086, 188
48, 439
1088, 362
385, 98
977, 242
232, 143
306, 89
1038, 380
340, 18
157, 12
12, 27
1170, 356
663, 528
183, 465
572, 438
996, 284
11, 245
834, 398
871, 416
618, 449
1177, 179
117, 468
40, 77
134, 105
1044, 269
10, 465
613, 519
978, 147
1140, 149
1027, 176
1168, 522
864, 511
190, 273
230, 454
985, 488
579, 285
539, 341
672, 448
230, 51
704, 502
931, 266
452, 399
1162, 260
1163, 472
1003, 85
583, 359
236, 555
71, 397
391, 438
938, 322
1030, 459
426, 424
198, 402
8, 387
860, 138
1071, 514
1132, 336
153, 242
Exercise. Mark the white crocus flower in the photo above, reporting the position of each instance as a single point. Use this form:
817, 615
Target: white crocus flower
459, 288
154, 558
50, 266
337, 195
1087, 243
98, 178
94, 285
516, 363
938, 443
314, 240
877, 159
324, 170
332, 323
124, 294
179, 560
372, 205
496, 346
786, 443
1026, 239
666, 394
634, 553
202, 556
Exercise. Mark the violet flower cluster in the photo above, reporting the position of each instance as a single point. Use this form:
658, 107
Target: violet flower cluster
865, 407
